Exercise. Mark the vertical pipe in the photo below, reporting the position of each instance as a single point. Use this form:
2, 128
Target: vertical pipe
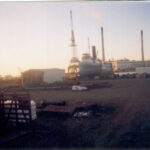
89, 45
142, 46
103, 52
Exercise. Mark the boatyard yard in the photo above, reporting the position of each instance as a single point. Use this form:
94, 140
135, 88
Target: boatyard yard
99, 99
123, 121
115, 89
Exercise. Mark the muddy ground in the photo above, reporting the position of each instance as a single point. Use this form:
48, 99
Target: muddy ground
127, 126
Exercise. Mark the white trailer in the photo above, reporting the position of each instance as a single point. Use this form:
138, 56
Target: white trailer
79, 88
143, 70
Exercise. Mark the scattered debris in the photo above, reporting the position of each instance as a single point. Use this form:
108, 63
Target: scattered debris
44, 103
61, 109
57, 111
81, 114
93, 110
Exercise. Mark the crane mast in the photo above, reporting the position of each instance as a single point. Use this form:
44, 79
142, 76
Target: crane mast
73, 68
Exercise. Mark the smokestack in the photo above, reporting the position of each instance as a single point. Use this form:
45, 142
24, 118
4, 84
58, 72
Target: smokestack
142, 46
94, 52
103, 52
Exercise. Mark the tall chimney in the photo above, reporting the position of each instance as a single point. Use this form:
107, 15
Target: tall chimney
103, 52
142, 46
94, 52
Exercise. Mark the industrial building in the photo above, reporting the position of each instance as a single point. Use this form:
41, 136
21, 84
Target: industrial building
53, 75
127, 65
143, 70
39, 76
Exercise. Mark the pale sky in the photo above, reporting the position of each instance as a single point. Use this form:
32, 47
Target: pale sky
37, 34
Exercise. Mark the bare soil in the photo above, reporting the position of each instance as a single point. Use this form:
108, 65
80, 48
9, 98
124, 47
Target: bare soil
128, 126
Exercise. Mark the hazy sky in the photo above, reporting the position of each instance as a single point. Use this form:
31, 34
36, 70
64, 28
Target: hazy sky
37, 34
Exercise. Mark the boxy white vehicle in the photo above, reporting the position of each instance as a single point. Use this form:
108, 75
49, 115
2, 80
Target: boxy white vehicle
79, 88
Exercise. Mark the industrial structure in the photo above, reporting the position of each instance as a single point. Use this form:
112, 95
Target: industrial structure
73, 68
126, 65
90, 66
41, 76
142, 46
103, 52
89, 49
106, 68
143, 70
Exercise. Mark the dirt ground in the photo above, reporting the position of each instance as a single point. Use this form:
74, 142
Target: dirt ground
120, 91
127, 127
